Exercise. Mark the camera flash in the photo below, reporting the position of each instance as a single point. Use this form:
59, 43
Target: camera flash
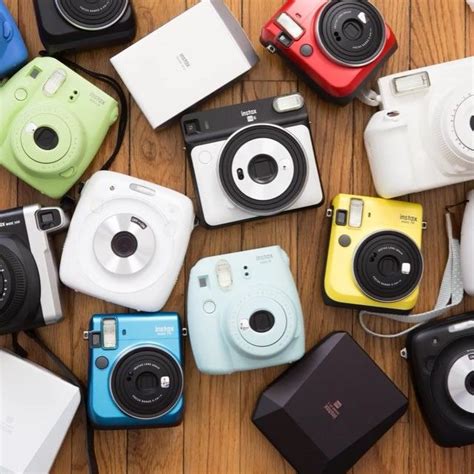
412, 83
224, 274
355, 212
288, 103
290, 26
109, 334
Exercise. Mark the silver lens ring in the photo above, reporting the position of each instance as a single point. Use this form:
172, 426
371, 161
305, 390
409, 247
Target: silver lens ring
127, 262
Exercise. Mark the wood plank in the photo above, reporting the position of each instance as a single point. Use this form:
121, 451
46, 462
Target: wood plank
436, 36
154, 157
256, 453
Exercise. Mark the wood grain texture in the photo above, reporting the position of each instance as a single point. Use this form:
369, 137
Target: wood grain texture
217, 435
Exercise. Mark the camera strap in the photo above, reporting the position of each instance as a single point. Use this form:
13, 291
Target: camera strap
369, 97
68, 375
451, 292
122, 125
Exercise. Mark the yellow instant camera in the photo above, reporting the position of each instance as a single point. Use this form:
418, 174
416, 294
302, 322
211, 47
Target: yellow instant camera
374, 257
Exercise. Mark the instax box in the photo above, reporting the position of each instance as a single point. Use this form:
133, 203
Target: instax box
329, 408
36, 409
184, 61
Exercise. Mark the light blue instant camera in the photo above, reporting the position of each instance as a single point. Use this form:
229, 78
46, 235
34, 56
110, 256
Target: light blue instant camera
135, 370
244, 312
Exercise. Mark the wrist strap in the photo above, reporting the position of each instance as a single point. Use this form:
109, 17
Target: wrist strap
370, 97
68, 375
451, 292
122, 125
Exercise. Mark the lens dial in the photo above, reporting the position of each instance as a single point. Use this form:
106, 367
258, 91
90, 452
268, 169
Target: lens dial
263, 169
350, 32
146, 382
12, 284
92, 14
457, 127
124, 244
388, 266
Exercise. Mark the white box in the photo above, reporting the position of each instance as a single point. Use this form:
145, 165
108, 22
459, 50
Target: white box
36, 410
185, 60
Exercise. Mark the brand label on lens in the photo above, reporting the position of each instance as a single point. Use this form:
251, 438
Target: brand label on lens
244, 324
137, 221
165, 382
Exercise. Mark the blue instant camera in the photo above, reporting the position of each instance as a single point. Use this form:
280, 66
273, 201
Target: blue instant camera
135, 370
244, 312
13, 52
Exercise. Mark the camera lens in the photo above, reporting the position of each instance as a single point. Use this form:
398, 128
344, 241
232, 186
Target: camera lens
46, 138
351, 32
13, 282
262, 321
388, 266
146, 382
263, 169
92, 14
124, 244
469, 383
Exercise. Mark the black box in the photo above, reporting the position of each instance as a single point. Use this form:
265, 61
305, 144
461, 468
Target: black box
329, 408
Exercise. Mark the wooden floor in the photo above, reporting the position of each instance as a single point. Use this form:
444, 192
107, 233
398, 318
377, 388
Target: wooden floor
217, 435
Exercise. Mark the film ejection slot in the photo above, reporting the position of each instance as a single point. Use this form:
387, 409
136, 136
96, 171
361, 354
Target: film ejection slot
290, 26
356, 212
411, 83
288, 103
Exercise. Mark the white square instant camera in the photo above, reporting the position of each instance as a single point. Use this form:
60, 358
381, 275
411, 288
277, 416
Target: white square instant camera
127, 241
36, 410
185, 60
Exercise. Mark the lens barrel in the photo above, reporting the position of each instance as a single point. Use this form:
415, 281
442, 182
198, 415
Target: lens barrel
351, 32
92, 14
262, 169
146, 382
388, 266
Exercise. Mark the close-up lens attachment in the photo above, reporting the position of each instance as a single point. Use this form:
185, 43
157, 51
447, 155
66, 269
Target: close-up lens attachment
92, 15
388, 266
351, 32
263, 169
146, 383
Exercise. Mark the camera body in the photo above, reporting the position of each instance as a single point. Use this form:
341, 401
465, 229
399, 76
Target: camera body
29, 283
135, 370
13, 52
52, 124
423, 136
441, 357
374, 258
467, 245
244, 312
252, 160
81, 24
127, 241
337, 46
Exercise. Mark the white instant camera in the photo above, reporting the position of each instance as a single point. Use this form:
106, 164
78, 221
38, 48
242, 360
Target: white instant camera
244, 312
423, 138
127, 241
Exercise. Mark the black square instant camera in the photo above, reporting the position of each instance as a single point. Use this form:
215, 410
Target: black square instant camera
84, 24
441, 357
329, 408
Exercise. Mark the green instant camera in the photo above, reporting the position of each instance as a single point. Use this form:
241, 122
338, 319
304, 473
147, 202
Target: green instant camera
52, 123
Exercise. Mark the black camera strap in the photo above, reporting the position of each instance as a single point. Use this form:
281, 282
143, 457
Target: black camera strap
68, 375
122, 125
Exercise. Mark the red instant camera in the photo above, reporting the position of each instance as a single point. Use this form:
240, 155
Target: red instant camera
337, 45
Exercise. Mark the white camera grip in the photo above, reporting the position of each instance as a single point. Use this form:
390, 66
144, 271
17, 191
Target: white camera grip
451, 292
